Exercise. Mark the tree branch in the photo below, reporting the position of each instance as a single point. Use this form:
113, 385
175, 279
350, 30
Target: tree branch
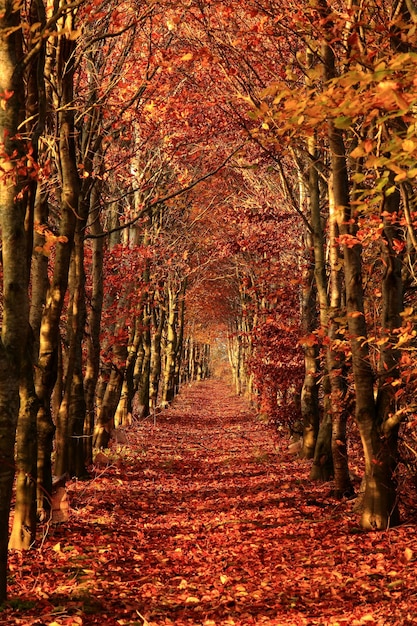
149, 206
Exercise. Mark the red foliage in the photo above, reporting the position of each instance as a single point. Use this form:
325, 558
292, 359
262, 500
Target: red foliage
204, 518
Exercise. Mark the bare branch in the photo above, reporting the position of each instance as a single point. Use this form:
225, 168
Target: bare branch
170, 196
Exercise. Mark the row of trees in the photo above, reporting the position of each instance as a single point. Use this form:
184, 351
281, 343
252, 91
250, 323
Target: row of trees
95, 244
337, 124
176, 175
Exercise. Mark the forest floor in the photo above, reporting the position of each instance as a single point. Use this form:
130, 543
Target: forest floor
204, 518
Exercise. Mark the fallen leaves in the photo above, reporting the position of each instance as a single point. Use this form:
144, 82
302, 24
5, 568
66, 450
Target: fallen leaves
210, 521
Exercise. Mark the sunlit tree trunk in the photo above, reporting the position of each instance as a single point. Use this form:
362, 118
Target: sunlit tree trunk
234, 349
179, 351
170, 346
15, 322
92, 368
24, 520
71, 413
46, 372
322, 468
379, 510
336, 360
380, 503
124, 408
105, 418
309, 393
146, 347
156, 361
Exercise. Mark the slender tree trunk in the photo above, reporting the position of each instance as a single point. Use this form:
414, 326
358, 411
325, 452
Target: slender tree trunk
144, 382
378, 505
336, 362
105, 419
24, 521
322, 468
124, 408
15, 321
309, 393
49, 333
179, 351
156, 361
71, 414
92, 368
170, 347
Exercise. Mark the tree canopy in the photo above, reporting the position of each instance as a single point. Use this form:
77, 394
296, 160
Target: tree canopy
188, 183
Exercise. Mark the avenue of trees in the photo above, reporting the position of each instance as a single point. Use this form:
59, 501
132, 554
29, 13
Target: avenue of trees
182, 175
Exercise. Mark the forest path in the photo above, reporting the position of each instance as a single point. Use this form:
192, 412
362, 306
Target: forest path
203, 518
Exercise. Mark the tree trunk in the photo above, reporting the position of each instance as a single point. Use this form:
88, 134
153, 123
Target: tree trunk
15, 322
24, 521
380, 506
105, 419
156, 362
124, 408
170, 348
46, 372
143, 388
310, 412
92, 367
179, 348
71, 414
336, 361
377, 480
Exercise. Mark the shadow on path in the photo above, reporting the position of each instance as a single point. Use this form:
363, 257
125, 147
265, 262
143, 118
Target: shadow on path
204, 519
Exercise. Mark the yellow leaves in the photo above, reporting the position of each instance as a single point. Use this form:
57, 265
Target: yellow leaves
241, 590
366, 619
388, 85
402, 175
405, 337
172, 24
357, 152
187, 57
271, 90
395, 583
408, 145
408, 311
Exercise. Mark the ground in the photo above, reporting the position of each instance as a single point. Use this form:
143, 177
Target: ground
204, 518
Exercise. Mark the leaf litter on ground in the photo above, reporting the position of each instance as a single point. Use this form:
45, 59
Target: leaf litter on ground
205, 518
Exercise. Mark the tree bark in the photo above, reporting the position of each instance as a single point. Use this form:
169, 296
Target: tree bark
378, 509
156, 361
49, 333
310, 412
15, 322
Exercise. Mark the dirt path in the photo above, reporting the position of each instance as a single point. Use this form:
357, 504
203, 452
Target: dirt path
204, 519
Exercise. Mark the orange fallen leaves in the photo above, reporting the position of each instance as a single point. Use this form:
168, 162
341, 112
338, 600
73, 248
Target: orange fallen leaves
196, 526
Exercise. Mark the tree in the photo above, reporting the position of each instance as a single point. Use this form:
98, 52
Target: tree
15, 323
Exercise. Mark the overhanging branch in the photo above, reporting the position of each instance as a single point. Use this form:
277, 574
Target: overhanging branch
149, 206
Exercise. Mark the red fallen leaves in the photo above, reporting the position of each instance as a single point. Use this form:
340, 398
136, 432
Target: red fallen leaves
205, 519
